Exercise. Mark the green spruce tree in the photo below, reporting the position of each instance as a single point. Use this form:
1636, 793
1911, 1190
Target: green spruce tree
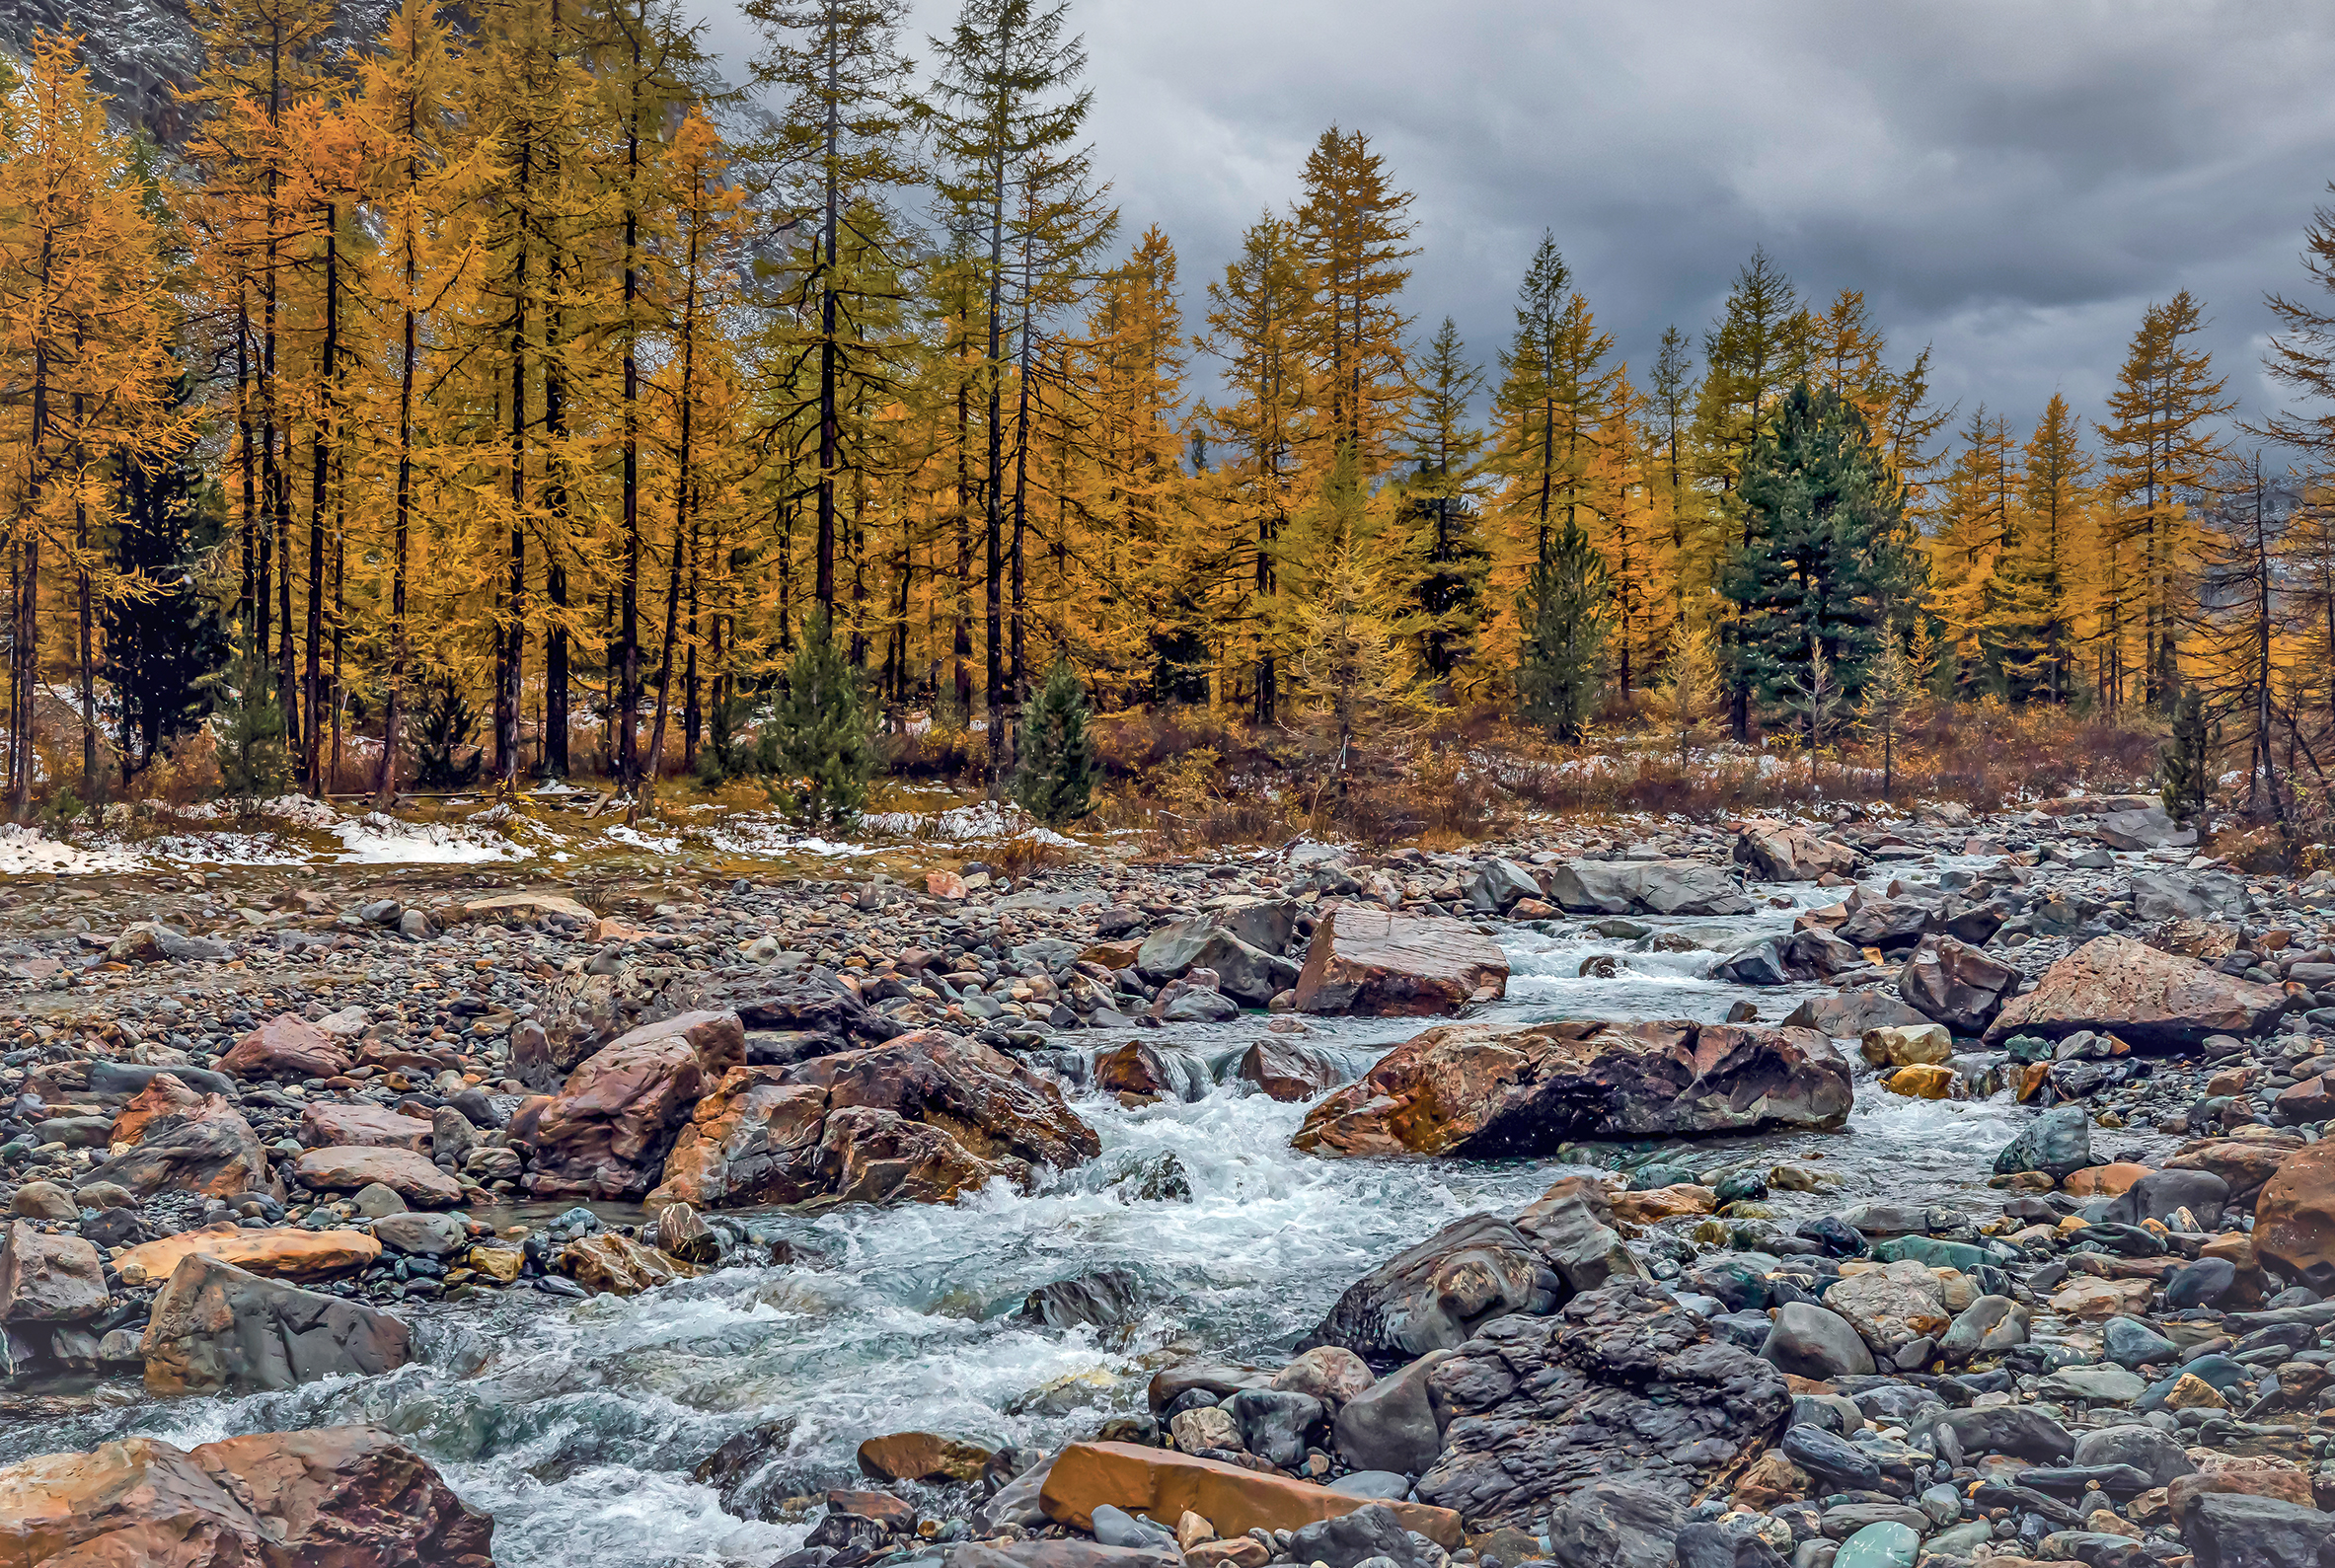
2185, 763
1056, 781
822, 752
254, 761
1824, 554
1565, 610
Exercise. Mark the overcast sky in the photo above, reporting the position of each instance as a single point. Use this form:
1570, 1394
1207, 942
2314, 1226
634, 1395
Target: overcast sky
2011, 182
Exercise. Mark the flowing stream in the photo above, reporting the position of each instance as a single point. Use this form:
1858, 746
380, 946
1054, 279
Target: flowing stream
578, 1424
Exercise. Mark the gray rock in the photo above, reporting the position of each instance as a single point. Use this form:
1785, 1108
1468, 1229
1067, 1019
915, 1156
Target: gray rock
2101, 1384
1645, 887
1848, 1016
1245, 973
1615, 1525
1103, 1298
2060, 1142
217, 1329
2188, 895
1571, 1225
374, 1200
1390, 1425
1497, 884
2010, 1429
2132, 1343
1199, 1006
1760, 964
1116, 1526
434, 1235
1954, 984
1384, 1485
2148, 828
1811, 1341
1371, 1531
2158, 1194
2155, 1452
1274, 1423
2231, 1531
1989, 1325
1435, 1295
1830, 1455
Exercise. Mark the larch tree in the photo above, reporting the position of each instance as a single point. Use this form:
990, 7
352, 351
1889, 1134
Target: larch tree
1439, 554
1353, 228
2036, 591
1973, 536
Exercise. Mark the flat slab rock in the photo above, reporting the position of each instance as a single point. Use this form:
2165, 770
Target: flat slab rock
1163, 1484
1484, 1091
1363, 960
2144, 997
1621, 1383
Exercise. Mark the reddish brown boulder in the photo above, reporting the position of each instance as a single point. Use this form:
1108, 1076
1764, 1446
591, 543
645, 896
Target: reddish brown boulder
329, 1125
754, 1140
606, 1133
48, 1279
400, 1171
1367, 961
1286, 1071
1133, 1069
2294, 1217
162, 1095
285, 1046
921, 1457
2244, 1163
1954, 984
2115, 984
1163, 1484
618, 1264
1487, 1092
1782, 852
921, 1119
350, 1497
207, 1148
2312, 1100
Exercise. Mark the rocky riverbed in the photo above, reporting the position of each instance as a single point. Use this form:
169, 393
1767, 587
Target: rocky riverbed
1847, 1192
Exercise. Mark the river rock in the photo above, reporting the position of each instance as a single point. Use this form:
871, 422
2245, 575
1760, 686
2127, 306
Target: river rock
2161, 1194
1098, 1297
1956, 984
1371, 1533
285, 1046
1290, 1073
2159, 895
2144, 996
1480, 1090
348, 1496
923, 1118
1274, 1423
206, 1148
2010, 1429
606, 1132
1367, 961
1392, 1425
1988, 1326
1615, 1525
921, 1457
2058, 1143
1247, 974
2294, 1217
1760, 964
1571, 1227
1163, 1484
1621, 1384
48, 1279
163, 1094
1809, 1341
1848, 1016
218, 1330
1892, 1306
430, 1236
1433, 1295
2228, 1531
286, 1253
329, 1124
1645, 887
608, 1262
2154, 1454
1785, 852
403, 1173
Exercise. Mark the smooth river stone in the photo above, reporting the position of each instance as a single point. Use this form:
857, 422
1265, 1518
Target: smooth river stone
1882, 1545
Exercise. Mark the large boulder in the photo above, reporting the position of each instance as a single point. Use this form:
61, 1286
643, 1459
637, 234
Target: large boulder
1486, 1093
1500, 884
1246, 973
1621, 1384
2058, 1143
2142, 827
283, 1252
923, 1118
407, 1174
1392, 1425
605, 1133
2235, 1531
350, 1497
1952, 982
2294, 1217
1892, 1306
2144, 997
163, 1094
1288, 1072
1785, 852
1163, 1484
1891, 925
48, 1279
1848, 1016
1571, 1225
328, 1124
218, 1330
285, 1046
1434, 1296
207, 1148
1645, 887
1365, 960
2168, 894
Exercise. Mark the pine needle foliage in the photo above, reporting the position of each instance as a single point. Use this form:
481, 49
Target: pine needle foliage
823, 751
1566, 609
1055, 781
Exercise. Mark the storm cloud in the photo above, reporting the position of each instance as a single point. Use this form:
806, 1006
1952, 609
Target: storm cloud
2009, 182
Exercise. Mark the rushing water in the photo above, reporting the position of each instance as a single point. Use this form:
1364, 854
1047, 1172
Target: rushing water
577, 1424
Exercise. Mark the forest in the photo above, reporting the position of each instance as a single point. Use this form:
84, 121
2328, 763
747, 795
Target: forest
505, 397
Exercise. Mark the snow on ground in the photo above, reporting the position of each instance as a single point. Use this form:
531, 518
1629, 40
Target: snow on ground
24, 852
379, 840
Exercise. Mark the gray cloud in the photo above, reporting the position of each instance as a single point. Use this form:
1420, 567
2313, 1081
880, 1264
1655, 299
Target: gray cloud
2012, 182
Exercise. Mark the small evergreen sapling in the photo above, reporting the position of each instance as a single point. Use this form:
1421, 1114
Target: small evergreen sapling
823, 752
1056, 781
443, 723
254, 761
1566, 609
2185, 763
